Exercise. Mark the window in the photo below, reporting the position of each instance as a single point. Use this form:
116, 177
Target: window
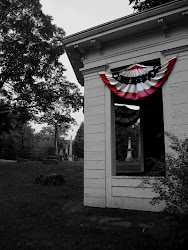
139, 134
128, 139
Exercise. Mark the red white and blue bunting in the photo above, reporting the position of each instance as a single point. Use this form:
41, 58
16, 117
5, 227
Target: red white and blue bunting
138, 81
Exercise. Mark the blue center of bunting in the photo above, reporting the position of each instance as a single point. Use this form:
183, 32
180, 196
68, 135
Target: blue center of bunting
138, 79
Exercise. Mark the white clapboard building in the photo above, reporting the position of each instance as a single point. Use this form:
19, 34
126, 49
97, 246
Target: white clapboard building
138, 62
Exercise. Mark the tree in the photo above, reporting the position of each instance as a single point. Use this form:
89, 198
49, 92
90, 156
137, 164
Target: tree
44, 143
18, 143
140, 5
59, 120
11, 118
78, 143
31, 76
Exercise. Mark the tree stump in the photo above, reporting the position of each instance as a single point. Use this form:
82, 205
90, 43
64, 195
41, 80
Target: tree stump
50, 180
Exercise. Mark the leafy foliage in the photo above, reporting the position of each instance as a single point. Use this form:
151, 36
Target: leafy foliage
12, 118
78, 143
23, 143
154, 167
31, 76
17, 143
173, 187
44, 141
141, 5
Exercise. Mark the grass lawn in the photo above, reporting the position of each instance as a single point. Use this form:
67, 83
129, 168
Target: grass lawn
33, 216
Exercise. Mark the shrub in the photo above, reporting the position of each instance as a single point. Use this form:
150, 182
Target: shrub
173, 187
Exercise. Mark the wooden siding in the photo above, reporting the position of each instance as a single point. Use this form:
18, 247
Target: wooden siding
178, 92
94, 142
94, 174
133, 193
94, 183
92, 102
94, 165
94, 110
94, 146
131, 181
101, 188
136, 204
94, 202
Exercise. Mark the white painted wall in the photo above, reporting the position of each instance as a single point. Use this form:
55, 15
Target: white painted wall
132, 193
94, 142
178, 96
101, 187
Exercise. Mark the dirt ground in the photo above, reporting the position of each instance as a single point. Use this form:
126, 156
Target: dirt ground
33, 216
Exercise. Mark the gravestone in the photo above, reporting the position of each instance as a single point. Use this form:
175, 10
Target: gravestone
50, 160
129, 151
70, 150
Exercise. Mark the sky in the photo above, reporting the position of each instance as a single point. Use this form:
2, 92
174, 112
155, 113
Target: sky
77, 15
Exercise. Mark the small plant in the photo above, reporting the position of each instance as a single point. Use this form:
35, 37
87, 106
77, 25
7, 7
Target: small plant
156, 166
173, 187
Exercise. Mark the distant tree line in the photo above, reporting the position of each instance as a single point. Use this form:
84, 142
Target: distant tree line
26, 144
23, 142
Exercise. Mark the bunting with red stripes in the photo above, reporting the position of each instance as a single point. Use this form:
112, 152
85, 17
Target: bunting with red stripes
138, 81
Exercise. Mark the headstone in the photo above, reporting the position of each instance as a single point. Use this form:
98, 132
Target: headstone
61, 154
129, 151
50, 160
70, 150
66, 153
